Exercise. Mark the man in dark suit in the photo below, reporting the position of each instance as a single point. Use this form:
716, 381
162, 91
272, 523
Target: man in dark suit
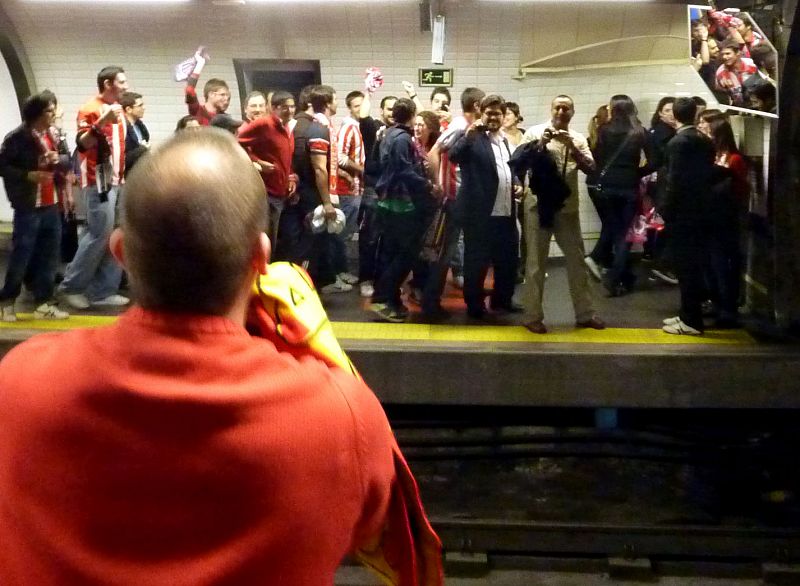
486, 206
137, 139
689, 159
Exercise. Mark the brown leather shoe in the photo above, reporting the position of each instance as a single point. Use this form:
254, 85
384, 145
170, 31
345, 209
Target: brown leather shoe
536, 327
594, 323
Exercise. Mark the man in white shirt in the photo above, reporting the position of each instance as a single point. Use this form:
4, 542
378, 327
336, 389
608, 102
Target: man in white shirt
571, 153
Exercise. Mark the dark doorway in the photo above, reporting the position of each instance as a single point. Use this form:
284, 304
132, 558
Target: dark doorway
268, 75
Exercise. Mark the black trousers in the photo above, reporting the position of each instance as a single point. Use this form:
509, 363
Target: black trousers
400, 243
689, 251
724, 271
297, 244
492, 243
368, 236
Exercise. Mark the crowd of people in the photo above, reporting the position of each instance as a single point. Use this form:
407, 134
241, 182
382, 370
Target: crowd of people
423, 192
737, 63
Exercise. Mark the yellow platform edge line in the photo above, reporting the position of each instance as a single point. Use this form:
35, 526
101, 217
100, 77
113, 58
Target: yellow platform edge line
454, 333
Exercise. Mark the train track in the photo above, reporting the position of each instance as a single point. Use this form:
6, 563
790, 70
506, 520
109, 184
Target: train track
477, 479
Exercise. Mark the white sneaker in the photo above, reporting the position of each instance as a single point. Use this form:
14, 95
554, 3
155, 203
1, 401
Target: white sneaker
8, 313
681, 329
594, 268
348, 278
112, 301
338, 286
366, 289
664, 275
671, 321
76, 300
49, 311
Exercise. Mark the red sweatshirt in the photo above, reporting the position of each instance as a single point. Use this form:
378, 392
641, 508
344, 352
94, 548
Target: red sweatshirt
196, 109
179, 450
266, 138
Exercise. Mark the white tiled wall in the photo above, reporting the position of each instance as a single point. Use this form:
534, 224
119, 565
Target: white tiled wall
67, 45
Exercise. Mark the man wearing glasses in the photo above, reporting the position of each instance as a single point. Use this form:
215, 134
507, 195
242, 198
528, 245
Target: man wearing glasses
216, 93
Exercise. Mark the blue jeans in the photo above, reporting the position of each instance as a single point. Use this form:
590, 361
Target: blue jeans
457, 260
93, 271
349, 205
35, 248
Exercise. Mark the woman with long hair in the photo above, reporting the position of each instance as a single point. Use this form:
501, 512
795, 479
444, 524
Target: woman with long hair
511, 123
662, 129
427, 126
426, 132
705, 119
600, 117
618, 156
729, 199
601, 256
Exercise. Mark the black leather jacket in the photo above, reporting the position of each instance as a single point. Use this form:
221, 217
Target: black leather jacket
19, 155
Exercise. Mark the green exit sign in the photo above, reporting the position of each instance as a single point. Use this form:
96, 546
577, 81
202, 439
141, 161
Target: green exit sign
434, 77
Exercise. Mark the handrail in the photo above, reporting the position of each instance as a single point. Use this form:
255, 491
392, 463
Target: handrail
531, 66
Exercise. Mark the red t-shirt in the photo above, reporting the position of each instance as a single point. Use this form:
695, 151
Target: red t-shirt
197, 109
46, 194
179, 450
88, 115
266, 138
741, 182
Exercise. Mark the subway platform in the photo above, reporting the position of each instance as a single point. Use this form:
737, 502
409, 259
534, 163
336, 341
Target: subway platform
497, 362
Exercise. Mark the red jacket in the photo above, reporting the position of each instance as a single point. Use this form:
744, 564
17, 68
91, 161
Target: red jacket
197, 109
180, 450
267, 138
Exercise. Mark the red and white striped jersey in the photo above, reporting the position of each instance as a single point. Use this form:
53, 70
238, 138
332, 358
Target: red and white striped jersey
449, 175
322, 146
46, 192
88, 115
350, 146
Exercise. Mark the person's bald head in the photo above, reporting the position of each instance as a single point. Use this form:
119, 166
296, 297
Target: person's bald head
194, 210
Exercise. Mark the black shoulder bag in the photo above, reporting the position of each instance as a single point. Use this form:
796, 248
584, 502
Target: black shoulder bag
597, 184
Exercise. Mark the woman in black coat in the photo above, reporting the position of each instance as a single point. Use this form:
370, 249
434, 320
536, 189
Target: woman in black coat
620, 146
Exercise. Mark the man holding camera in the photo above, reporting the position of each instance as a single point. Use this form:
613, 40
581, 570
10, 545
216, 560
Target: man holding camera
487, 209
571, 152
92, 278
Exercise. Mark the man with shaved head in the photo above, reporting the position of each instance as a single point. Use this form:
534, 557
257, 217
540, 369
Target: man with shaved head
570, 151
173, 447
